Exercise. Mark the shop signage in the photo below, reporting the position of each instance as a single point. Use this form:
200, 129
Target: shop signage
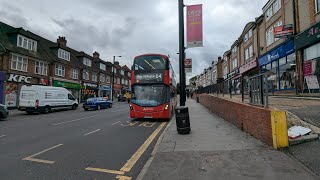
312, 82
67, 85
90, 85
194, 26
283, 31
149, 77
19, 78
250, 65
308, 37
11, 94
309, 67
105, 87
282, 51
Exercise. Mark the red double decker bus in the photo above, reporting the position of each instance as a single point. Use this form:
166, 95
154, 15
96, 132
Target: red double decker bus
153, 89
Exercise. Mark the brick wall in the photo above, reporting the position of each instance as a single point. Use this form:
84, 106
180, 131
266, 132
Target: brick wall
251, 119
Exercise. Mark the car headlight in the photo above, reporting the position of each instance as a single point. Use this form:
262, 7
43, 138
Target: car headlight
5, 107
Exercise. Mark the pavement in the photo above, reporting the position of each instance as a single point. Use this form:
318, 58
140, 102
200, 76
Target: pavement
216, 149
76, 144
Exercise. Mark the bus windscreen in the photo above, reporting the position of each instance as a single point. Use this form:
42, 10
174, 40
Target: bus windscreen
150, 96
150, 63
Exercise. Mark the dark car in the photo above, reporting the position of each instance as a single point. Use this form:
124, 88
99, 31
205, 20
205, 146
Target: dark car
4, 113
121, 98
96, 103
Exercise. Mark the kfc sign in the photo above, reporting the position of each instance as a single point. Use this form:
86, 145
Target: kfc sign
19, 78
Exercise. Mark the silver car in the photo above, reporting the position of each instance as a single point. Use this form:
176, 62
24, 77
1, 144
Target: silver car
4, 113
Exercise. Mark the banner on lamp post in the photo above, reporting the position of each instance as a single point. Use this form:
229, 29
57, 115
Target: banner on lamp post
194, 26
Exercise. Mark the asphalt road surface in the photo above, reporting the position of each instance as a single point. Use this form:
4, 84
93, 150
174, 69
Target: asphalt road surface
76, 144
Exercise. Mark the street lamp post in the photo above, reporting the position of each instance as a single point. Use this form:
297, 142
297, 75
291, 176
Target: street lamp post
112, 88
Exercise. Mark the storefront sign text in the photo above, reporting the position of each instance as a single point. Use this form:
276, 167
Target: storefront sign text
67, 85
250, 65
280, 52
19, 78
308, 37
89, 85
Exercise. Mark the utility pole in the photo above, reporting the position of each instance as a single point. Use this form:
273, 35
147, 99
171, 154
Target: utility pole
112, 88
182, 76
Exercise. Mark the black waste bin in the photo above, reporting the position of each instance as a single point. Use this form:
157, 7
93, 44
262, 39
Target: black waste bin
182, 120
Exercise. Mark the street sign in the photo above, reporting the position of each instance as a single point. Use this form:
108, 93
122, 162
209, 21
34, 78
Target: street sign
188, 65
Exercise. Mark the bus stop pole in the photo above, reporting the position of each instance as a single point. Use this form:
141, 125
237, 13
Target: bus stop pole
182, 76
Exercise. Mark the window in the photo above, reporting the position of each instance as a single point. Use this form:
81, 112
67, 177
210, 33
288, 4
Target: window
60, 70
41, 68
248, 35
102, 66
118, 81
269, 13
122, 72
102, 78
234, 50
108, 79
276, 6
85, 75
115, 70
19, 63
129, 74
273, 9
94, 77
249, 53
150, 63
87, 62
225, 71
317, 6
234, 63
26, 43
74, 73
270, 35
63, 54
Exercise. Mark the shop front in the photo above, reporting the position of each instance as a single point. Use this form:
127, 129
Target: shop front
308, 43
116, 91
73, 87
13, 85
279, 66
105, 91
247, 70
89, 90
234, 81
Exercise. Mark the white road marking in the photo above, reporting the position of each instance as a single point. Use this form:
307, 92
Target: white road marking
2, 136
75, 120
92, 132
120, 110
116, 123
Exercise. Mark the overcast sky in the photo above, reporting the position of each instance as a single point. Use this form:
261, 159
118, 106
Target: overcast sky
132, 27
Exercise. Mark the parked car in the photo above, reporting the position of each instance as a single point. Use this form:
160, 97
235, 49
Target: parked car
4, 113
42, 99
121, 98
96, 103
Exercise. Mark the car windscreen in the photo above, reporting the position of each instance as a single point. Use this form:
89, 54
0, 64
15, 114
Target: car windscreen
150, 95
150, 63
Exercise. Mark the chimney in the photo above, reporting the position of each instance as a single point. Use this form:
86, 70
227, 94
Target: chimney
219, 58
116, 62
96, 55
62, 41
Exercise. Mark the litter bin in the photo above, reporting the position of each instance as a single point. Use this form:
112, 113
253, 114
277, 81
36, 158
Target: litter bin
182, 120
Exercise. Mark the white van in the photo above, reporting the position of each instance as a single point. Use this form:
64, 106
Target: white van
42, 99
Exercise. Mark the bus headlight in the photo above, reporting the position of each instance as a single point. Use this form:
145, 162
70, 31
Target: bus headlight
131, 108
166, 107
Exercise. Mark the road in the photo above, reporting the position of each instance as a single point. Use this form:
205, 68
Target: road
77, 144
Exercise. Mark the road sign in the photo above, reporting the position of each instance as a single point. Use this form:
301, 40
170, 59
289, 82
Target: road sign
188, 65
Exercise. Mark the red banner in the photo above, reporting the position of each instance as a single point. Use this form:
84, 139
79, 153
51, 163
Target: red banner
194, 26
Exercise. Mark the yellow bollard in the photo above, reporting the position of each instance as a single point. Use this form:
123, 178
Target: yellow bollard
279, 129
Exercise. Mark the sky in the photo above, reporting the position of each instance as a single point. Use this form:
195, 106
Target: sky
129, 28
